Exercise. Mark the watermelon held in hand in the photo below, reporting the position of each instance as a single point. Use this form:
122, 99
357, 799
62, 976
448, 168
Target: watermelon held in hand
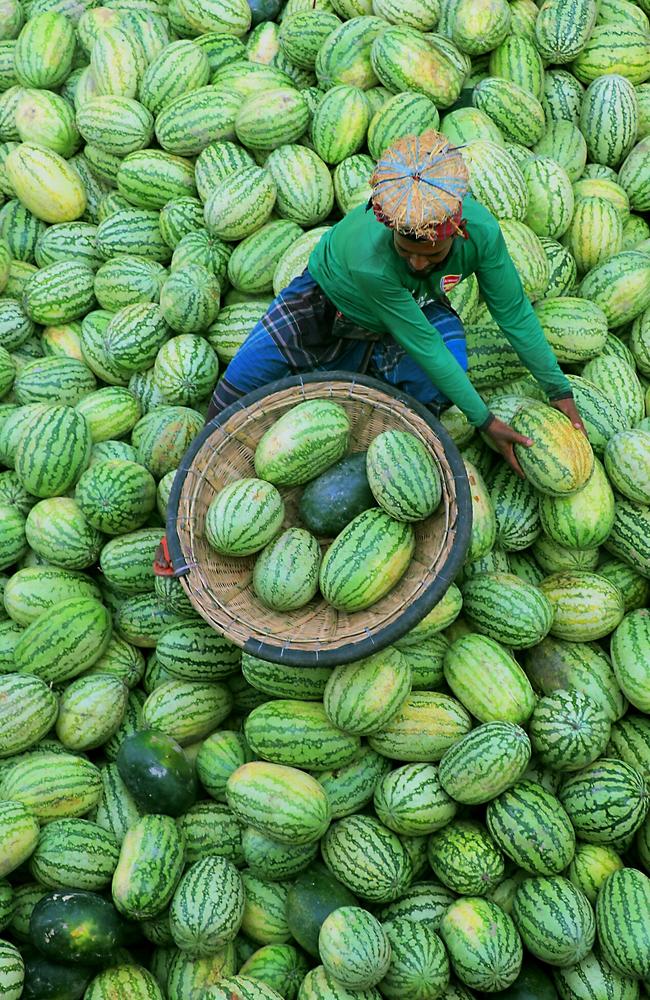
560, 459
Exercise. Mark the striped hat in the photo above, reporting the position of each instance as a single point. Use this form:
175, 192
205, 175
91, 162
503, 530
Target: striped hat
418, 187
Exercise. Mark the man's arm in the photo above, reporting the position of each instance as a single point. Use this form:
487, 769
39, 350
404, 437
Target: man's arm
409, 326
504, 295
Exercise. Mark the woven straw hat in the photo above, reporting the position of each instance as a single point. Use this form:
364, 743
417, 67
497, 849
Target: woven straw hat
419, 183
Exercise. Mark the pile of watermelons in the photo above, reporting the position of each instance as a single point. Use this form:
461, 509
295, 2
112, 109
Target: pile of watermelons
465, 812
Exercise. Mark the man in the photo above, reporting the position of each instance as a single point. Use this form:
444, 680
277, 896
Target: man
356, 306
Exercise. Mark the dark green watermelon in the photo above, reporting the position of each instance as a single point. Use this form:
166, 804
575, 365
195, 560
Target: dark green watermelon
264, 10
332, 500
532, 983
47, 980
157, 772
76, 926
312, 897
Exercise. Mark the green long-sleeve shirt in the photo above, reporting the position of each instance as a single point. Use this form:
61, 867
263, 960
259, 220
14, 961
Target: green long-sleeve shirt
357, 267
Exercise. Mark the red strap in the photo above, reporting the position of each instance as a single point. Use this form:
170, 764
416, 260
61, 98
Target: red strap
162, 565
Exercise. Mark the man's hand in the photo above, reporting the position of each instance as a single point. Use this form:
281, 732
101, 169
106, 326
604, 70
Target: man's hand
504, 438
570, 410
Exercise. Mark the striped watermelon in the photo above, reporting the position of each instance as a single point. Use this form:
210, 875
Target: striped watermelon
319, 985
404, 114
575, 328
151, 178
591, 865
418, 960
367, 857
44, 51
303, 443
55, 379
344, 56
561, 32
507, 609
241, 204
586, 605
187, 974
285, 576
267, 859
253, 262
515, 110
12, 971
350, 788
186, 710
583, 519
132, 231
280, 966
75, 853
403, 476
568, 730
609, 119
272, 118
186, 367
90, 711
66, 641
363, 696
464, 125
495, 178
207, 907
52, 785
620, 286
19, 834
116, 496
192, 651
354, 947
149, 867
244, 517
33, 590
485, 762
465, 858
210, 830
613, 48
626, 461
340, 123
555, 920
517, 59
531, 827
633, 177
423, 730
483, 945
404, 60
553, 436
606, 802
627, 646
45, 183
52, 451
300, 813
128, 980
182, 66
626, 949
411, 800
299, 734
509, 697
264, 920
30, 708
353, 577
550, 197
58, 532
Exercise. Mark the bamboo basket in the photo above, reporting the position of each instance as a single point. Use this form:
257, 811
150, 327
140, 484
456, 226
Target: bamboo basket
219, 587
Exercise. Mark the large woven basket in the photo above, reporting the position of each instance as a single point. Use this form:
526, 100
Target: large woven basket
219, 586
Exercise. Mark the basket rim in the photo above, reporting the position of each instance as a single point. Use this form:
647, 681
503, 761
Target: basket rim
418, 608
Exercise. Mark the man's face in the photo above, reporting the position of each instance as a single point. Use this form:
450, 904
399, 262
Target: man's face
422, 256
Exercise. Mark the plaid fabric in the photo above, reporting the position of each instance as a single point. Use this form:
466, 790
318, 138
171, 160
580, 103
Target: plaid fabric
302, 331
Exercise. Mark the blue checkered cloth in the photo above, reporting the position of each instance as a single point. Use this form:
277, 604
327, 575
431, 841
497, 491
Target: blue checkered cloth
302, 331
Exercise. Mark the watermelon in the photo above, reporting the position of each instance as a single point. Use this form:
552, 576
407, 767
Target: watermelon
19, 830
509, 697
367, 857
423, 730
411, 800
484, 947
75, 853
366, 560
298, 733
485, 762
285, 576
628, 659
555, 920
301, 812
609, 119
243, 517
354, 948
605, 801
363, 696
76, 926
465, 858
560, 459
52, 785
507, 609
403, 477
568, 730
